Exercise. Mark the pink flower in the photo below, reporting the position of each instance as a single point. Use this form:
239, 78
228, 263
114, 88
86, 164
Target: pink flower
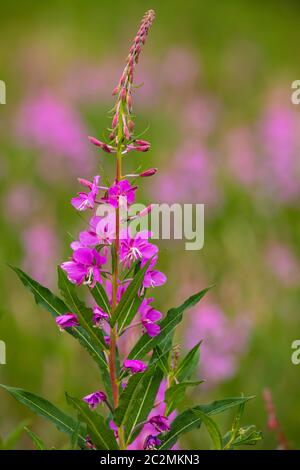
99, 316
283, 263
40, 246
159, 409
151, 443
94, 399
121, 189
52, 126
135, 366
101, 231
224, 340
136, 248
86, 200
114, 428
67, 321
154, 279
85, 267
149, 316
160, 423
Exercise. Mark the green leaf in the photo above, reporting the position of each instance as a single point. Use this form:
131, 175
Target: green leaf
43, 296
211, 427
129, 396
143, 404
47, 410
161, 357
188, 364
74, 438
167, 325
187, 421
130, 314
76, 305
102, 437
56, 306
37, 441
175, 394
125, 309
100, 297
11, 440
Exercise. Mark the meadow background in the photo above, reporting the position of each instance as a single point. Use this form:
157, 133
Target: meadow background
216, 97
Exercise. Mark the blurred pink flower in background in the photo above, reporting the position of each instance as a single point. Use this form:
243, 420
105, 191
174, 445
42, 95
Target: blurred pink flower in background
180, 69
279, 132
283, 263
190, 178
41, 250
199, 115
225, 340
242, 158
48, 124
90, 83
20, 202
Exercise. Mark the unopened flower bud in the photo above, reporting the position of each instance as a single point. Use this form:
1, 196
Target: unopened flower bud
142, 145
149, 172
123, 94
125, 128
130, 125
102, 145
115, 120
129, 102
146, 211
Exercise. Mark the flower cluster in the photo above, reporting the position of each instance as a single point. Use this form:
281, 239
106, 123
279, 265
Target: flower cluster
122, 119
105, 253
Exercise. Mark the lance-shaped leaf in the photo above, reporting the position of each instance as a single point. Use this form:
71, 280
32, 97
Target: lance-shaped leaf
167, 326
43, 296
211, 427
100, 297
37, 441
56, 306
102, 436
175, 394
129, 397
44, 408
143, 405
128, 304
161, 357
186, 367
187, 421
76, 306
130, 314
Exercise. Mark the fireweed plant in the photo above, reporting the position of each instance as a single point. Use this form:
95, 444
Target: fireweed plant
140, 401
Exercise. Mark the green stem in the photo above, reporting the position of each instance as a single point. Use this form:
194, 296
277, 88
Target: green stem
114, 332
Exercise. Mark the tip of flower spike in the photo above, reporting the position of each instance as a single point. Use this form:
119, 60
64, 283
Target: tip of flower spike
149, 15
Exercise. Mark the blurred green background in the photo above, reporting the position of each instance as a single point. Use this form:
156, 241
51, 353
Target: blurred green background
217, 99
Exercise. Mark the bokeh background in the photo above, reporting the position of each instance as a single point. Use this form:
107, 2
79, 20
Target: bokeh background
217, 99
